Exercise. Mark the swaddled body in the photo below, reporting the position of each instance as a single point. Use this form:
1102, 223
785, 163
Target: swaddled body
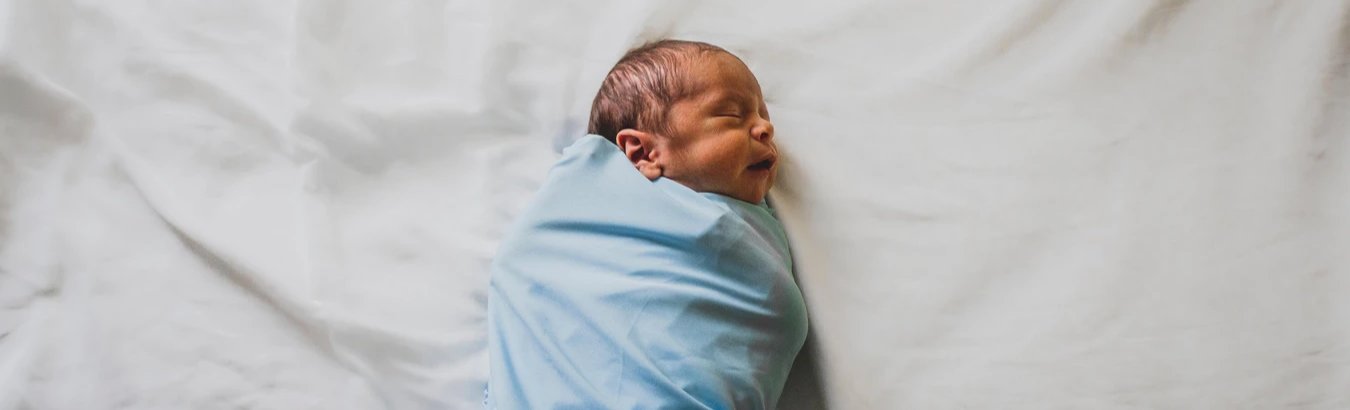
649, 272
618, 292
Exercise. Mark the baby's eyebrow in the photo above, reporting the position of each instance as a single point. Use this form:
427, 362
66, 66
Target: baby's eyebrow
729, 98
723, 102
731, 101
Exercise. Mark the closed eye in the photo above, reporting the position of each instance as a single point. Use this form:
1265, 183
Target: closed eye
731, 116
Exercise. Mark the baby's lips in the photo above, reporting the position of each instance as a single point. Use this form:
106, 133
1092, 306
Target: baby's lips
765, 162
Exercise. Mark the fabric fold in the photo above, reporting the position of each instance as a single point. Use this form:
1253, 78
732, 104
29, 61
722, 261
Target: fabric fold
613, 291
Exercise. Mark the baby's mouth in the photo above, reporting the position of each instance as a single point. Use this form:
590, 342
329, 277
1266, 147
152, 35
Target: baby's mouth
762, 165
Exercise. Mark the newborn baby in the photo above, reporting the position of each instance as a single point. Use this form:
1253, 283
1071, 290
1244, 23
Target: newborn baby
649, 272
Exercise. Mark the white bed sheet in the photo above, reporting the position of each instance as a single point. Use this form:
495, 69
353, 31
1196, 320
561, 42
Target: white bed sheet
1017, 205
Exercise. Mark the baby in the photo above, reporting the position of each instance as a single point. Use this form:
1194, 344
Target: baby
649, 272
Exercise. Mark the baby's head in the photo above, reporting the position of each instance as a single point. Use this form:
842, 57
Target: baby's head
690, 112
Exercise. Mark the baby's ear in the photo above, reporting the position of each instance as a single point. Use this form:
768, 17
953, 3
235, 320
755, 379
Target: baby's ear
642, 150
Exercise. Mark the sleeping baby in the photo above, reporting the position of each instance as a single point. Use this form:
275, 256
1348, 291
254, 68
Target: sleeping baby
649, 272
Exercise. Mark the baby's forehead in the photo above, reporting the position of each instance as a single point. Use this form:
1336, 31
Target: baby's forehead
724, 93
720, 77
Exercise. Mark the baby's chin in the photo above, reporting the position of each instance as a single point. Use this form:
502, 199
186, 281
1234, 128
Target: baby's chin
756, 195
753, 196
759, 196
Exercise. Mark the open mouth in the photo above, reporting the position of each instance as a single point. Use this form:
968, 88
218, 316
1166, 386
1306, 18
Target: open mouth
762, 165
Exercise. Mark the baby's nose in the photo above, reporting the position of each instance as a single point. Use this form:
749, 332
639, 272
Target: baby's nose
763, 131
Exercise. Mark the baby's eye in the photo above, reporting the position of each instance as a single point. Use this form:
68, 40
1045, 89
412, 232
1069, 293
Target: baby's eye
730, 114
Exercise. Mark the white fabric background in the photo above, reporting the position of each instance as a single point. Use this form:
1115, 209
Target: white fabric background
1024, 204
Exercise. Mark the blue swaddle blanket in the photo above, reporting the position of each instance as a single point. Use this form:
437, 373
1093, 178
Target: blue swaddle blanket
613, 291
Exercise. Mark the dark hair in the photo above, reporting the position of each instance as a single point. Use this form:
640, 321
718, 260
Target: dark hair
642, 86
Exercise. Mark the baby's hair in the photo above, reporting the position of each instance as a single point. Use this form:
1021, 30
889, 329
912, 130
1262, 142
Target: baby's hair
642, 86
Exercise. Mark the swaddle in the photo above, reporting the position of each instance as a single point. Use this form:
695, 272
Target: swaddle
613, 291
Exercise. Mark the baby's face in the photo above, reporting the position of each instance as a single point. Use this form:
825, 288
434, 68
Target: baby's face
723, 140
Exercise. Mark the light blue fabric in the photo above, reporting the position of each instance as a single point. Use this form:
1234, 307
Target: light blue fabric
613, 291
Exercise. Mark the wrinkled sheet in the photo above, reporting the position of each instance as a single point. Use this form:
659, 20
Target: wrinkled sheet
1017, 205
